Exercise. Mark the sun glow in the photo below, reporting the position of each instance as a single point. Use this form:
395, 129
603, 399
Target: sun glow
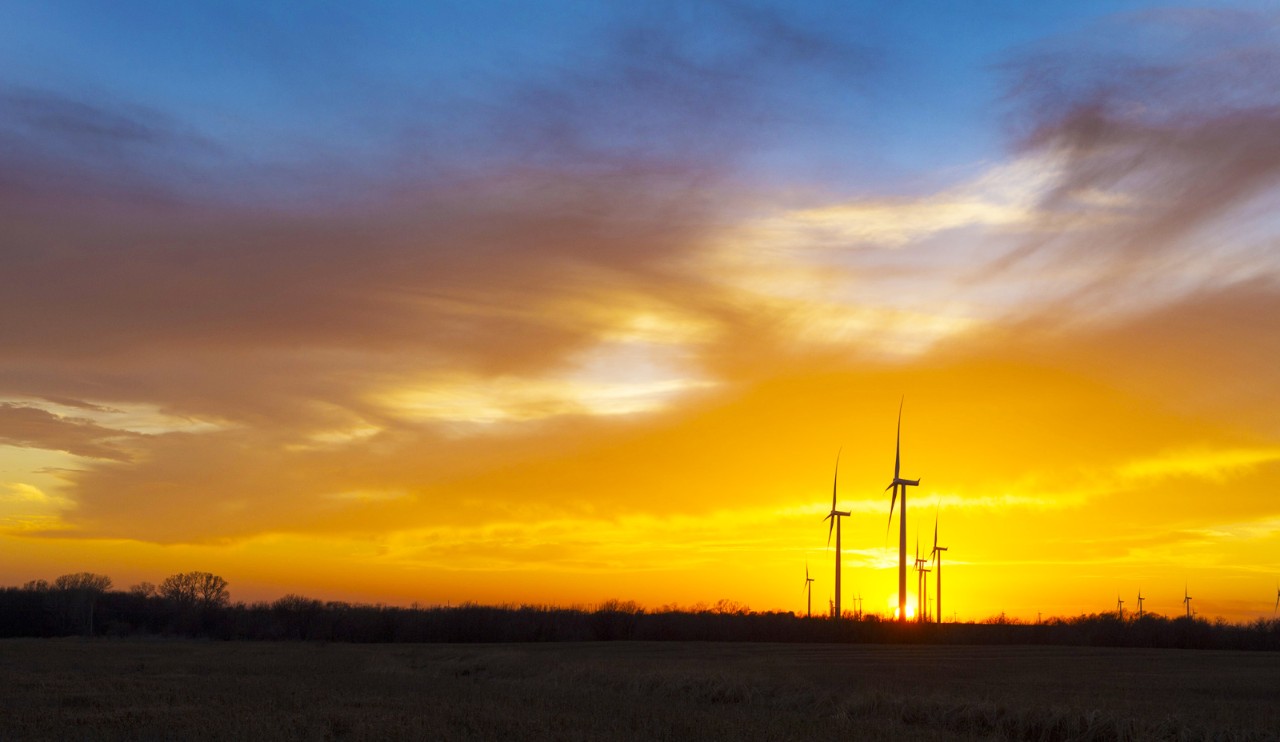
892, 603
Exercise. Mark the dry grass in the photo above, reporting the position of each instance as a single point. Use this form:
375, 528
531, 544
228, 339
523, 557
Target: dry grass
77, 689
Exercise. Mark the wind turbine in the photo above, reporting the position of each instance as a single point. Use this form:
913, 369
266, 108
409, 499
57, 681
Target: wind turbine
1120, 607
922, 586
923, 608
1273, 610
808, 588
919, 577
1186, 600
1140, 599
937, 557
900, 483
834, 516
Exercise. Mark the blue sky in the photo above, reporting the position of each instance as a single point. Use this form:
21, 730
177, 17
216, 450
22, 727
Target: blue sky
897, 96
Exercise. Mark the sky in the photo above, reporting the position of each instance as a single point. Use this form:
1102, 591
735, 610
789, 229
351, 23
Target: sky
559, 302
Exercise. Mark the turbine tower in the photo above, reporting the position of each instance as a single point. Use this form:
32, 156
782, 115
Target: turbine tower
937, 557
834, 516
900, 483
1186, 600
808, 589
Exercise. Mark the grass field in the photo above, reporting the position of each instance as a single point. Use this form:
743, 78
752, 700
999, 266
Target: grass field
100, 689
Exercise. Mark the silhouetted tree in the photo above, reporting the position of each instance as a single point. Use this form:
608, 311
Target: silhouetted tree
192, 589
79, 593
195, 598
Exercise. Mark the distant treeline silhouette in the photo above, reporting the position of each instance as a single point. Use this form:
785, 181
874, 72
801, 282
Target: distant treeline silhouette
197, 604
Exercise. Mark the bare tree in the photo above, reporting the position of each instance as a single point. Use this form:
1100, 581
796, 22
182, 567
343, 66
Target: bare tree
81, 590
83, 581
195, 588
211, 590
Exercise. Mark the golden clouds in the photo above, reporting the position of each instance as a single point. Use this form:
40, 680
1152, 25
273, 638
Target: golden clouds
486, 401
1005, 197
1220, 465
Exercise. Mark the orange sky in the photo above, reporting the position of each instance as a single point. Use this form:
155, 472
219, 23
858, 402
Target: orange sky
547, 382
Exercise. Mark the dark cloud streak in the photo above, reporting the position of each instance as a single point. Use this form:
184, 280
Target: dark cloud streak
1174, 114
32, 427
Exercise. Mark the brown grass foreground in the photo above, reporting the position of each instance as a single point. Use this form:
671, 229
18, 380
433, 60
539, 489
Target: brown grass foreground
143, 689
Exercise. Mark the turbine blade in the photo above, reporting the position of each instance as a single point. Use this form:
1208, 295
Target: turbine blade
935, 533
830, 529
836, 480
892, 502
897, 445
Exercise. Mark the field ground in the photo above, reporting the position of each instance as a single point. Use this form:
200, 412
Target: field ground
151, 689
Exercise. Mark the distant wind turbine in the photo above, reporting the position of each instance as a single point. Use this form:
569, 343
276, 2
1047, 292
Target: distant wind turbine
922, 586
834, 516
937, 557
808, 588
900, 483
916, 566
924, 592
1186, 600
1277, 607
1140, 599
1120, 607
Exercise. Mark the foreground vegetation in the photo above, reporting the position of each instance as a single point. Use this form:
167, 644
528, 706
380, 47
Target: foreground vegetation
198, 605
104, 689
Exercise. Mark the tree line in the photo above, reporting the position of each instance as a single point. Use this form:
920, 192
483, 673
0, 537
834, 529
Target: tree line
198, 604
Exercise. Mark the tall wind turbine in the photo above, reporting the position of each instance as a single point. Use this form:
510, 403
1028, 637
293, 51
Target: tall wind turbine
834, 516
1186, 600
937, 557
808, 589
900, 483
1140, 599
1120, 607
